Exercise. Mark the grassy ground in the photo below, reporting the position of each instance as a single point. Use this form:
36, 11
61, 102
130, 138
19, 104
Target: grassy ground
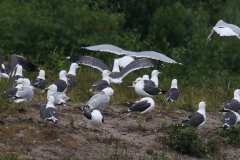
120, 138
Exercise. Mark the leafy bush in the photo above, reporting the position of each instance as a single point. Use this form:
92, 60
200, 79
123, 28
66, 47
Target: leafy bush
232, 134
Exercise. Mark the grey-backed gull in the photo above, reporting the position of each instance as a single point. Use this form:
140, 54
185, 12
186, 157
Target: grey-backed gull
95, 118
173, 93
198, 118
143, 106
72, 82
60, 98
224, 29
39, 84
234, 104
101, 99
230, 119
103, 83
61, 83
118, 75
50, 113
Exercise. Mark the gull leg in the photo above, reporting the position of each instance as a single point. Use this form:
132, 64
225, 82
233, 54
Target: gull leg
97, 132
144, 118
92, 131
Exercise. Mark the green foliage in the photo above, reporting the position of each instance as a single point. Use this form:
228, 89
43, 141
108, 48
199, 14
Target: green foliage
232, 134
8, 157
186, 141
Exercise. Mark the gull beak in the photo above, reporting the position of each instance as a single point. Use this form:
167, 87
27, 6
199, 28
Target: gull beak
46, 89
19, 83
108, 95
111, 73
79, 67
206, 105
160, 73
46, 98
134, 82
68, 75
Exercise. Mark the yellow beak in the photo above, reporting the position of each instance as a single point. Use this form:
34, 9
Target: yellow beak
79, 67
160, 73
46, 89
46, 98
19, 83
134, 82
111, 73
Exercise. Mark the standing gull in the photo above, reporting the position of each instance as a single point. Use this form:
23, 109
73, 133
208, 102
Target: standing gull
118, 75
143, 106
103, 83
198, 118
224, 29
101, 99
72, 82
173, 93
146, 88
95, 118
230, 119
119, 51
61, 83
50, 113
3, 74
60, 98
39, 84
154, 77
234, 104
17, 75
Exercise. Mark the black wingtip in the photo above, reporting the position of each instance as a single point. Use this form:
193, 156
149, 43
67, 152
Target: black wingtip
223, 110
225, 127
125, 112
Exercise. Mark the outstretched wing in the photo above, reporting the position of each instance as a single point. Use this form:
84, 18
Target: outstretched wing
89, 61
135, 65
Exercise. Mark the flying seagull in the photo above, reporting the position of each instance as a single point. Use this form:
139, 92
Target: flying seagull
198, 118
120, 51
224, 29
143, 106
233, 104
118, 75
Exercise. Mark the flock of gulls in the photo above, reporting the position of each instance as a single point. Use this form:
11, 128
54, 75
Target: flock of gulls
23, 89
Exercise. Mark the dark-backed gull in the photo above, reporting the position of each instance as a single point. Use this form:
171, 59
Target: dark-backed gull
39, 84
173, 93
95, 118
119, 51
101, 99
146, 88
60, 98
224, 29
118, 75
72, 82
198, 118
50, 113
62, 83
230, 119
17, 75
143, 106
234, 104
154, 76
103, 83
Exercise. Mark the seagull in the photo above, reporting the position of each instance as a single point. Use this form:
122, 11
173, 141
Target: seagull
145, 77
61, 83
143, 106
101, 99
39, 84
224, 29
17, 75
130, 54
3, 74
14, 60
234, 104
173, 93
154, 77
103, 83
72, 82
95, 118
230, 119
50, 113
146, 88
118, 75
198, 118
21, 93
60, 98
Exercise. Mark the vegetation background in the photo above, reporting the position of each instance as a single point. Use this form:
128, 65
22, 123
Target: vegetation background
176, 28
